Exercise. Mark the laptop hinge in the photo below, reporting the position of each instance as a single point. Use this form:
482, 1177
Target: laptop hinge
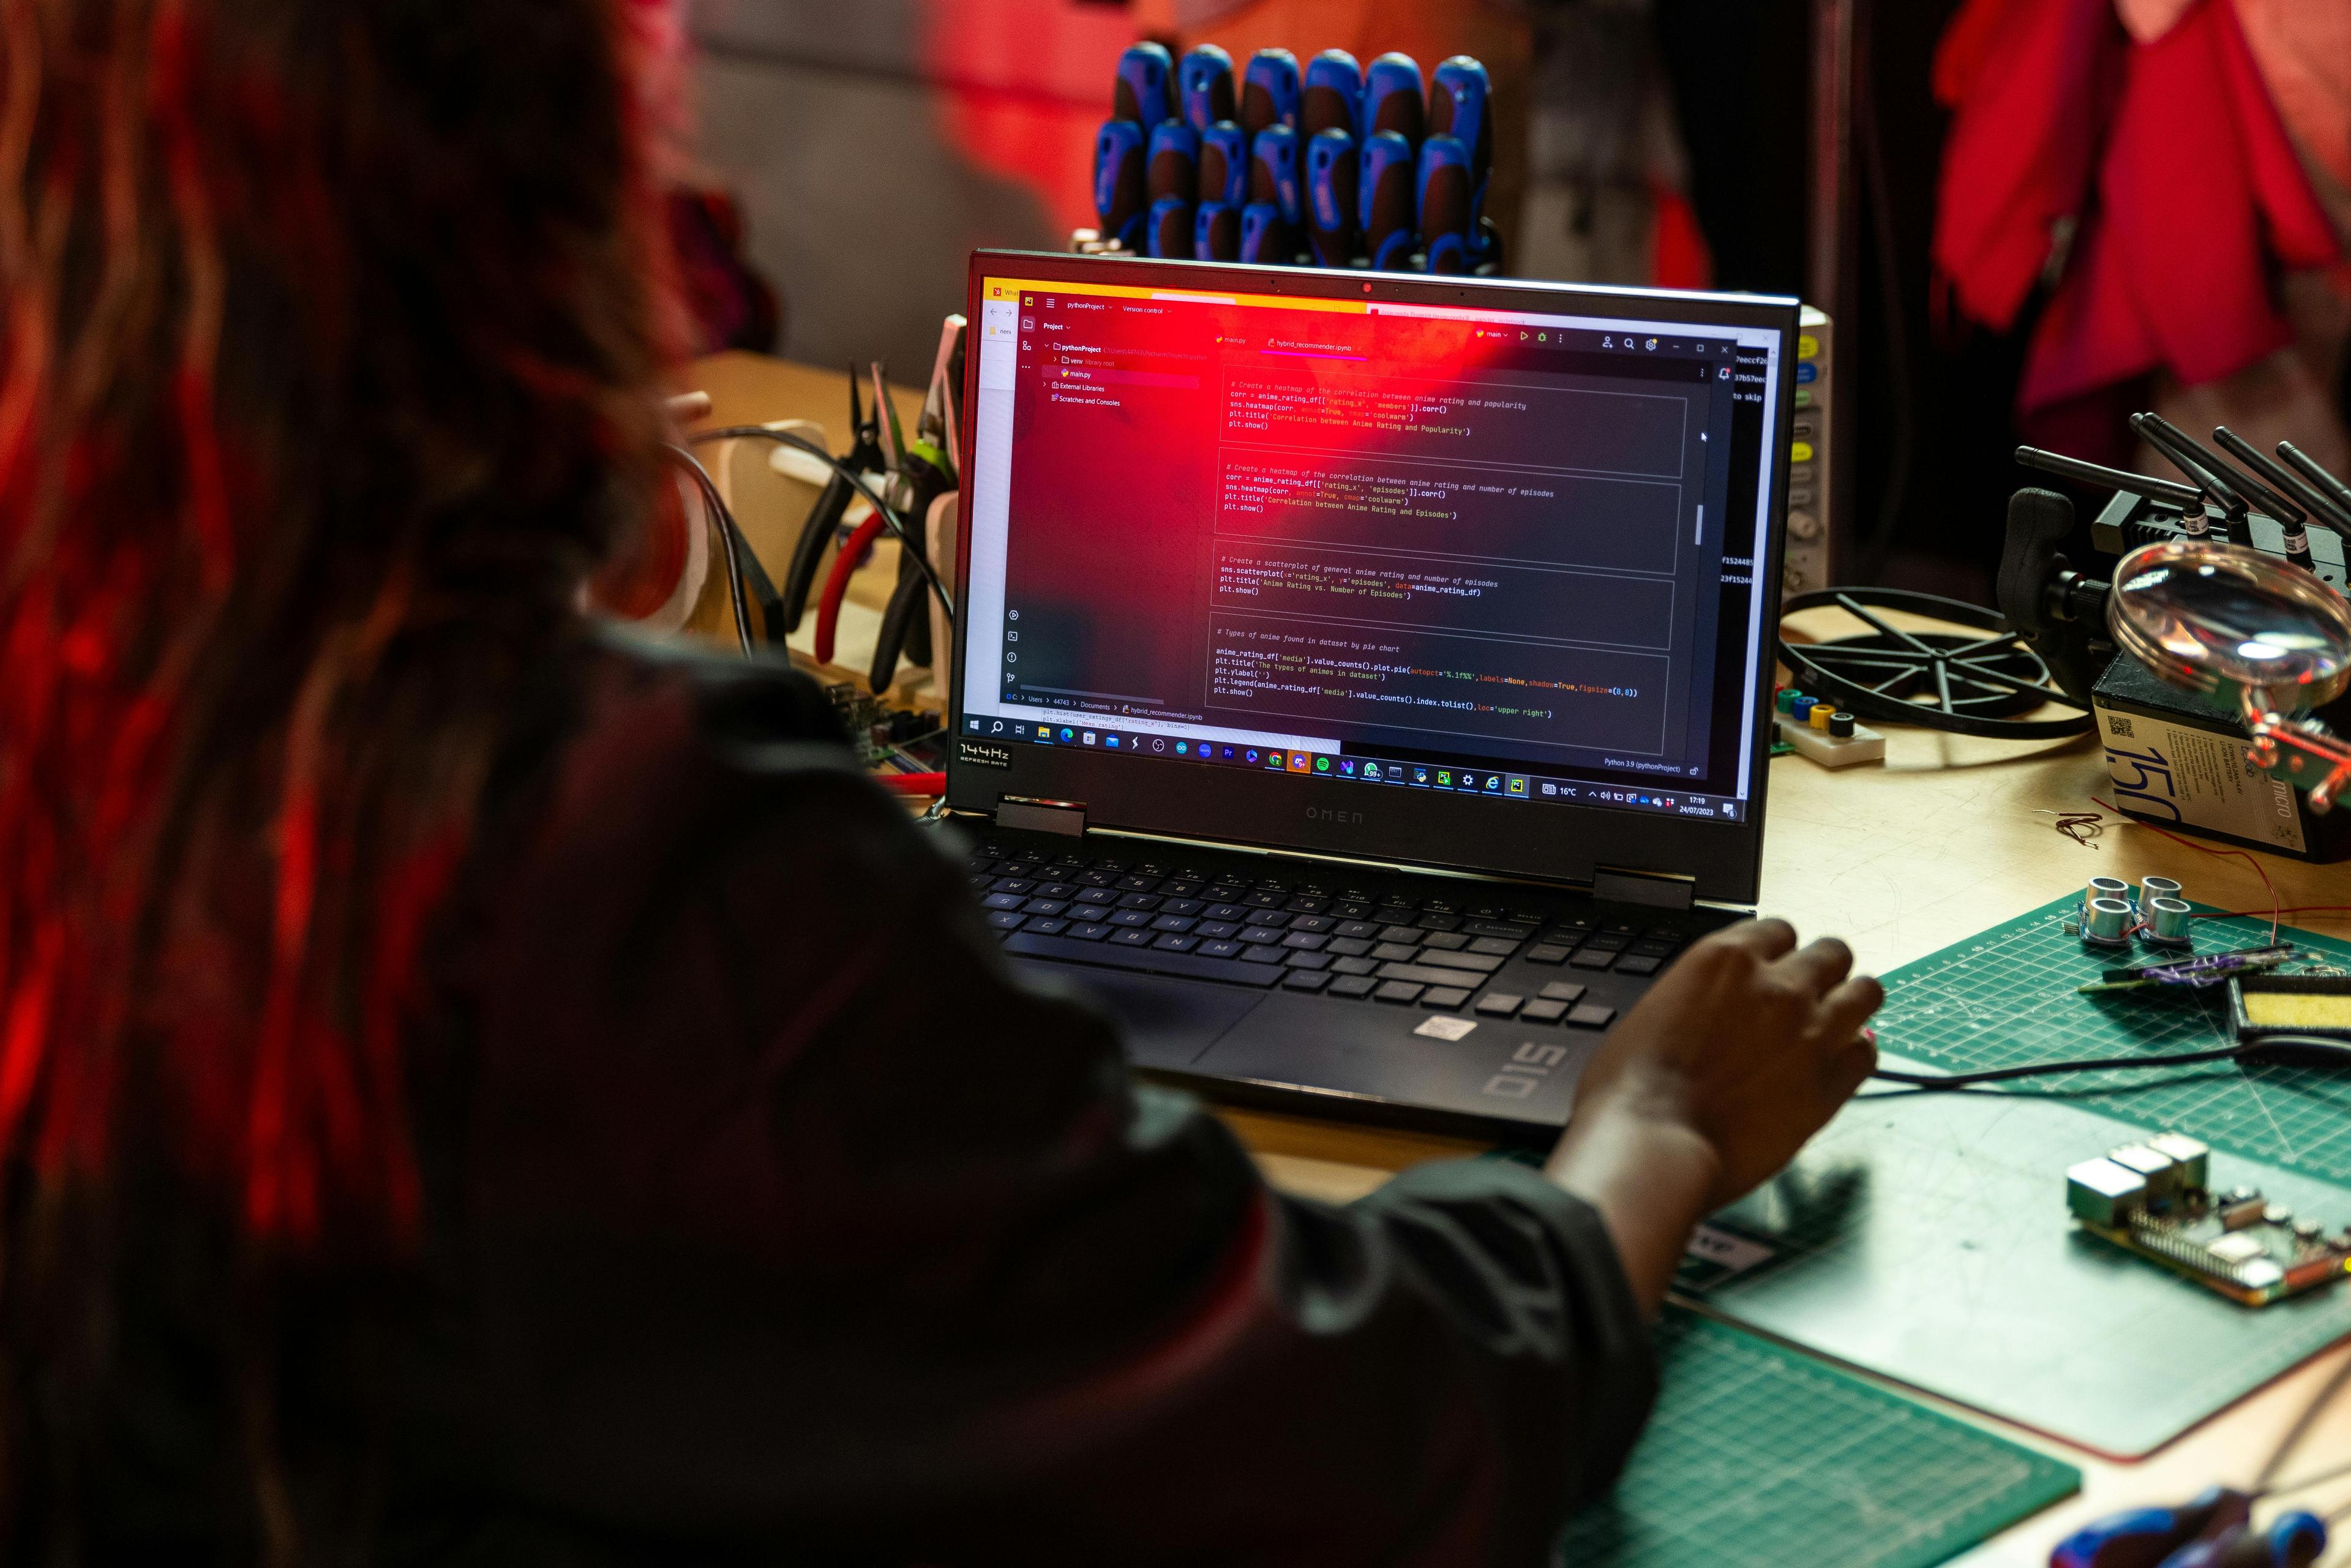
1065, 817
1657, 889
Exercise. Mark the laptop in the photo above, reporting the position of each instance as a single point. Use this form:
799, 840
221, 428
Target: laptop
1362, 679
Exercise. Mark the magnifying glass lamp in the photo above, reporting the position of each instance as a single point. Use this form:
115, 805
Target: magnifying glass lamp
2249, 632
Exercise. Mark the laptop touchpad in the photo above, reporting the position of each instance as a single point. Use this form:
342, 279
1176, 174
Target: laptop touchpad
1506, 1070
1165, 1023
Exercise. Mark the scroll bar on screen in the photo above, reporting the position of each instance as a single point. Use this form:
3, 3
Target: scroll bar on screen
1698, 536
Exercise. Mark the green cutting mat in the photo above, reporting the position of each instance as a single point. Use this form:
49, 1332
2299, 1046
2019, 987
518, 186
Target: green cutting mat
1925, 1237
2007, 999
1758, 1458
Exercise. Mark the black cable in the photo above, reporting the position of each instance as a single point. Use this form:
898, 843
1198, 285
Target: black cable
889, 519
2050, 1069
724, 522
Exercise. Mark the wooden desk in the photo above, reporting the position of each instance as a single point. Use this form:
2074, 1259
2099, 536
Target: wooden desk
1949, 837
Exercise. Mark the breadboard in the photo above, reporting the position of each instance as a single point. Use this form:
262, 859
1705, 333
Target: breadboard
1758, 1458
2006, 997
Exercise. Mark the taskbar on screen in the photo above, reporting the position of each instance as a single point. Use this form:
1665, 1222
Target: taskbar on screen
1468, 779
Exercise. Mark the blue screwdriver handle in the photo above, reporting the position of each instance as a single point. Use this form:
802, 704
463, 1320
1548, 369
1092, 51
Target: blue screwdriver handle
1265, 238
1460, 105
1273, 172
1460, 99
1225, 165
1217, 232
1389, 199
1333, 169
1143, 95
1204, 85
1334, 99
1271, 91
1174, 169
1170, 229
1446, 199
1119, 199
2150, 1537
1392, 99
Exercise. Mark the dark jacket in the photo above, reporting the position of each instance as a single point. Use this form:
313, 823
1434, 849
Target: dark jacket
772, 1219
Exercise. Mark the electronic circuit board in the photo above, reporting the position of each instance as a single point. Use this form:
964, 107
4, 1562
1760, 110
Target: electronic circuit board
2154, 1200
876, 730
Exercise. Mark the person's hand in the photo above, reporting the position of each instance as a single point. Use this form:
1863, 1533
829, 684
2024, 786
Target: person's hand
1748, 1042
1738, 1053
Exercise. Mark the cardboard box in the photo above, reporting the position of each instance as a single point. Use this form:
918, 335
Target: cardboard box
2176, 761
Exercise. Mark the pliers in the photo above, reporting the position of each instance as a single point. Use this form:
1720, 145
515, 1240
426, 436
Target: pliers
865, 457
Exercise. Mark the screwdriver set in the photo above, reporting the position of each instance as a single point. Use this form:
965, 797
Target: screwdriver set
1339, 164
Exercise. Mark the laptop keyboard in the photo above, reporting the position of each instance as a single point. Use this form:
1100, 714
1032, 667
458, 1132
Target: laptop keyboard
1396, 943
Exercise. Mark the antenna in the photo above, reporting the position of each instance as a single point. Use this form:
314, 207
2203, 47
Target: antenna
2316, 472
2324, 509
2189, 458
2074, 468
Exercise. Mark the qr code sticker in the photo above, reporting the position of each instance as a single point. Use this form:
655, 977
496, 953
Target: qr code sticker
2117, 724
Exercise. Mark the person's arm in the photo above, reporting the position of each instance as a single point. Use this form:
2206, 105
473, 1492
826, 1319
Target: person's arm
1710, 1084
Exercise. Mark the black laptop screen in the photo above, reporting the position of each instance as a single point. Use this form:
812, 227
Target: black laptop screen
1411, 546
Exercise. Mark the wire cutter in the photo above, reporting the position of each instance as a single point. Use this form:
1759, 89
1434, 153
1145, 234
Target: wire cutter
918, 476
866, 457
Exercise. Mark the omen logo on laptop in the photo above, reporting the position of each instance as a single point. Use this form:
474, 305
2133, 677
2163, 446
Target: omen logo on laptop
1242, 545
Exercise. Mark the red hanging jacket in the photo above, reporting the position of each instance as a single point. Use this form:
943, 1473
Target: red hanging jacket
2156, 180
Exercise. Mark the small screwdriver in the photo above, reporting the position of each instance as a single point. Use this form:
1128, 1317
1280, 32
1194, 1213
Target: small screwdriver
1391, 99
1333, 169
1141, 96
1334, 99
1204, 83
1224, 165
1388, 199
1269, 92
1119, 199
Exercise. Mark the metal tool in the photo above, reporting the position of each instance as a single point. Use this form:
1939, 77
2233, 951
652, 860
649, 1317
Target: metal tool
1333, 97
1143, 95
1273, 172
1388, 199
1270, 92
1204, 87
924, 474
1333, 169
1119, 199
1391, 99
865, 456
1225, 165
1445, 198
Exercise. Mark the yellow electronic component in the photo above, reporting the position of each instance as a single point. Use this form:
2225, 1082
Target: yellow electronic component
2284, 1009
